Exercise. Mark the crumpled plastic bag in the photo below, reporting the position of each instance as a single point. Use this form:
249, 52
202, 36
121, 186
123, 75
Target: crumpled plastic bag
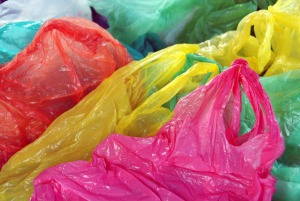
284, 93
189, 21
135, 100
268, 39
197, 155
35, 10
214, 19
16, 36
68, 58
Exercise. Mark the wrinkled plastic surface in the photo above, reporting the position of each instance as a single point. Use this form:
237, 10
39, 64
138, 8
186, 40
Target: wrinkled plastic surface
189, 21
144, 45
67, 59
16, 36
268, 39
149, 42
214, 18
197, 155
35, 10
135, 100
284, 93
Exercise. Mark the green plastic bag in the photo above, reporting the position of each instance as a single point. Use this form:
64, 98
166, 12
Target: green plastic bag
214, 19
268, 39
134, 100
14, 37
284, 93
174, 20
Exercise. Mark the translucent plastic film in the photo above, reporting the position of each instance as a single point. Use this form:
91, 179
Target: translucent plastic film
197, 155
268, 39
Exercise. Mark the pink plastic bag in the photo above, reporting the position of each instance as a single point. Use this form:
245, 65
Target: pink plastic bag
197, 155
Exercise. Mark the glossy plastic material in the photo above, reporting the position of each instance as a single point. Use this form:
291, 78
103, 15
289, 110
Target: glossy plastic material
35, 10
284, 93
14, 37
197, 155
268, 39
214, 17
67, 59
136, 100
188, 21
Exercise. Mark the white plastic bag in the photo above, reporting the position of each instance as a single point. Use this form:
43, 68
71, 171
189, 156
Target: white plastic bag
34, 10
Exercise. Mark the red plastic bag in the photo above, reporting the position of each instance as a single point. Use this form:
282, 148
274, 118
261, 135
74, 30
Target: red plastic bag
197, 155
67, 59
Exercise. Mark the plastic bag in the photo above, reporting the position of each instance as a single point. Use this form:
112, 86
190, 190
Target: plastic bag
135, 100
197, 155
268, 40
16, 36
129, 19
214, 19
284, 93
51, 75
186, 21
35, 10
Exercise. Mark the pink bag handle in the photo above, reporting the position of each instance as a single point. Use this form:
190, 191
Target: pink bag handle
225, 92
265, 121
238, 75
265, 125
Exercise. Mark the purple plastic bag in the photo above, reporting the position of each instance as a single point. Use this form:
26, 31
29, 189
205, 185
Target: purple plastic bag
197, 155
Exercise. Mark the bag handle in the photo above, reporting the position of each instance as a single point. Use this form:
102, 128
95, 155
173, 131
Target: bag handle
221, 98
265, 125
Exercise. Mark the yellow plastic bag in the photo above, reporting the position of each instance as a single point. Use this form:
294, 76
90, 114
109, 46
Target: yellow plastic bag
135, 99
272, 48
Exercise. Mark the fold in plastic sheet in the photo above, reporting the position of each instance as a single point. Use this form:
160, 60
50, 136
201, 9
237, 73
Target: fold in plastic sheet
197, 155
67, 59
137, 100
35, 10
176, 21
268, 39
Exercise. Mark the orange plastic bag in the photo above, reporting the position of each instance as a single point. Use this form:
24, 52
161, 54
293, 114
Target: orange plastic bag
67, 59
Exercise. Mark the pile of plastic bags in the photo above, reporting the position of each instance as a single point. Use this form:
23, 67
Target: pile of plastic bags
123, 114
